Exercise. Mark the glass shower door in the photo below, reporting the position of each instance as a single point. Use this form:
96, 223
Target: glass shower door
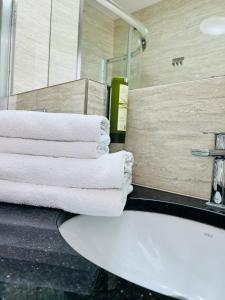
128, 60
136, 57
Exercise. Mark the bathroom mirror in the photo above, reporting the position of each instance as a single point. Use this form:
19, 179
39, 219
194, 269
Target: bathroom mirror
52, 42
45, 47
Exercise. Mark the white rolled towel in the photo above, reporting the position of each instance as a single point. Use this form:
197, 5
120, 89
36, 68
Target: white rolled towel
54, 148
53, 126
95, 202
110, 171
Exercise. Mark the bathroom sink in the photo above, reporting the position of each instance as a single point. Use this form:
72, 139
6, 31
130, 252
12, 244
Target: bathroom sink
173, 256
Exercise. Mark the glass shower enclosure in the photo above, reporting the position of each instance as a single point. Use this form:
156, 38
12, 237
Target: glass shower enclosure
5, 46
123, 38
127, 65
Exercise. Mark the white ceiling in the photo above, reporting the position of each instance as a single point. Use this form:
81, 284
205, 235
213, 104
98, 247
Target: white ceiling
134, 5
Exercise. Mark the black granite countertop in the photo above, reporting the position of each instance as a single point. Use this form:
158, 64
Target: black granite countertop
37, 264
146, 199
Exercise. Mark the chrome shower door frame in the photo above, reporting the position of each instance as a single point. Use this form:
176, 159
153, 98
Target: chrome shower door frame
6, 21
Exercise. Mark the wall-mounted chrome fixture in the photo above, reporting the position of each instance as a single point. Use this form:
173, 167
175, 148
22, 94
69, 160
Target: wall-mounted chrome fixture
178, 61
128, 18
218, 179
134, 24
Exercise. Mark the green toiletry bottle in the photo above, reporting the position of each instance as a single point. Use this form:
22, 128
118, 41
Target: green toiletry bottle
118, 110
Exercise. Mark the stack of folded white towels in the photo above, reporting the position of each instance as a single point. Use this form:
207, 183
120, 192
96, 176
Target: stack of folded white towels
62, 161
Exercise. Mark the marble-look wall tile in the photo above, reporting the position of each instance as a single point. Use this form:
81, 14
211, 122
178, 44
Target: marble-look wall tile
30, 69
64, 41
174, 31
81, 96
97, 41
65, 98
97, 98
26, 101
164, 123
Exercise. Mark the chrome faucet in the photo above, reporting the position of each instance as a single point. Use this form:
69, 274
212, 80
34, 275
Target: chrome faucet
218, 177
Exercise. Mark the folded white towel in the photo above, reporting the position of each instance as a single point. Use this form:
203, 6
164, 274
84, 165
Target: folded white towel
81, 201
54, 148
106, 172
52, 126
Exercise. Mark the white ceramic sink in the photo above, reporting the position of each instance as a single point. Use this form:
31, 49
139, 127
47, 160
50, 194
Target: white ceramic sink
170, 255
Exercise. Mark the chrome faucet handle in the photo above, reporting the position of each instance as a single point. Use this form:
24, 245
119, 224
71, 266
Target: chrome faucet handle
217, 198
200, 152
217, 153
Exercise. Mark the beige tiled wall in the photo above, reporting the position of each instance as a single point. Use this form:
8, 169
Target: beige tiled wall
82, 96
167, 117
164, 123
96, 101
68, 97
97, 40
174, 27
